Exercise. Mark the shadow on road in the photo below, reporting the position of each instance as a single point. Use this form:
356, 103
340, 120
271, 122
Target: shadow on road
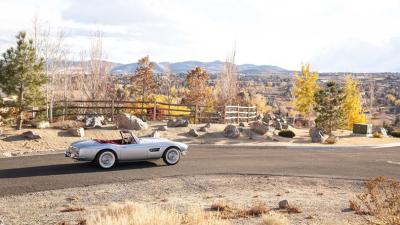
72, 168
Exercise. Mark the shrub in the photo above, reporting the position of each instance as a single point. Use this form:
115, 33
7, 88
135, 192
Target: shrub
377, 135
274, 218
381, 201
286, 133
395, 133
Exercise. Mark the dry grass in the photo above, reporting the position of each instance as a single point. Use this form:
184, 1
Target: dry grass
134, 214
274, 218
228, 211
72, 208
381, 202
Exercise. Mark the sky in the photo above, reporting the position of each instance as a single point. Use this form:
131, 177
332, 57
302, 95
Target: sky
332, 35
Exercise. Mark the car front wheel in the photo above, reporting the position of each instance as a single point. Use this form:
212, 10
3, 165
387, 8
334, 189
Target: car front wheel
106, 159
172, 156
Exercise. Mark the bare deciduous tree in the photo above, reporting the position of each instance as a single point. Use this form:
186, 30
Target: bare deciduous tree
227, 84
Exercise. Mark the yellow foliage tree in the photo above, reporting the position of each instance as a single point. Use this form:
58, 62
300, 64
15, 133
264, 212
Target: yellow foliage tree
352, 104
304, 89
198, 91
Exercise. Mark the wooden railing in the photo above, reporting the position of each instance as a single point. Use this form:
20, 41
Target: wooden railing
153, 110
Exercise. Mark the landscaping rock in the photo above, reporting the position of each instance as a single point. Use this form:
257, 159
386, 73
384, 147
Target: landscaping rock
331, 140
284, 204
241, 124
155, 134
77, 132
41, 124
130, 122
278, 125
203, 129
316, 135
285, 126
178, 123
259, 127
94, 121
208, 125
231, 131
31, 135
163, 128
193, 133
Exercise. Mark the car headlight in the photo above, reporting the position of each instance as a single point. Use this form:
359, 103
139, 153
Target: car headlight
73, 150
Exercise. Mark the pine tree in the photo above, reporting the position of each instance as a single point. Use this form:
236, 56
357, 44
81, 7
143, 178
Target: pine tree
305, 86
143, 81
21, 74
329, 107
352, 104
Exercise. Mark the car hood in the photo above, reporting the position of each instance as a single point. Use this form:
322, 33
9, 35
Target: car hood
153, 140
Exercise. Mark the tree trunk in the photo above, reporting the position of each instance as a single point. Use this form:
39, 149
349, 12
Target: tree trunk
20, 119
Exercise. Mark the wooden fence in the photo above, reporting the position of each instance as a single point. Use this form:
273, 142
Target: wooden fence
154, 111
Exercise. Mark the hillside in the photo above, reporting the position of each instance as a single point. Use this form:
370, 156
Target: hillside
211, 67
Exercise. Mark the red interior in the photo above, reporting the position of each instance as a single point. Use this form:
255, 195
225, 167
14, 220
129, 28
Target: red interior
117, 142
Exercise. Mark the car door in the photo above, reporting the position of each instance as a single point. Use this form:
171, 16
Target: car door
134, 151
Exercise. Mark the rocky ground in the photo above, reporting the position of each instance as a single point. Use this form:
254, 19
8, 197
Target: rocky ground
12, 143
321, 201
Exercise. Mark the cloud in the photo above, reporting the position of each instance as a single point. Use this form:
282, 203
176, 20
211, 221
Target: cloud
352, 55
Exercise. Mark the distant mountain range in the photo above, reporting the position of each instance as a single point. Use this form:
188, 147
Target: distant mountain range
211, 67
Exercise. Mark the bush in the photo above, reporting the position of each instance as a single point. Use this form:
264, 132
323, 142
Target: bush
286, 133
395, 133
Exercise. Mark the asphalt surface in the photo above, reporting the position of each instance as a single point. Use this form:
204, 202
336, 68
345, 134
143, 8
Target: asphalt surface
46, 172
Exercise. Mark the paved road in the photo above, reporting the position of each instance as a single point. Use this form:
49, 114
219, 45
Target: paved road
36, 173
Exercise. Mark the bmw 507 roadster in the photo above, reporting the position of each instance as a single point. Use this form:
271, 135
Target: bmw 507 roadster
106, 153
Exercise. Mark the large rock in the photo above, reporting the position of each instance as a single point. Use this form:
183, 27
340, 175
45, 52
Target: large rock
41, 124
130, 122
31, 135
193, 133
163, 128
316, 135
284, 204
203, 129
278, 125
77, 132
231, 131
178, 123
94, 121
331, 140
259, 127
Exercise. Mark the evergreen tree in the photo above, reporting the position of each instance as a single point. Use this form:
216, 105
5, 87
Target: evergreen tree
21, 74
352, 104
329, 107
305, 86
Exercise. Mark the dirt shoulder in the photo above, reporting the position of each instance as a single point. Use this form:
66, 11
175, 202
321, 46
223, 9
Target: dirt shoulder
13, 144
322, 200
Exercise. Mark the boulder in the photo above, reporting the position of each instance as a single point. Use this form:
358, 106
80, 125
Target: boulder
331, 140
203, 129
77, 132
31, 135
278, 125
41, 124
231, 131
193, 133
285, 126
155, 134
259, 127
178, 123
208, 125
316, 135
163, 128
94, 121
284, 204
130, 122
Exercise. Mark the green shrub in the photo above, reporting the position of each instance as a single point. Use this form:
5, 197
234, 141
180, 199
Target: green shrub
395, 133
286, 133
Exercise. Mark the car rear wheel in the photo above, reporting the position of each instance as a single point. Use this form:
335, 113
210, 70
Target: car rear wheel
172, 156
106, 159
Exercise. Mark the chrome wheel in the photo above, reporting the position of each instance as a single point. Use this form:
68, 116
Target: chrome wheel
106, 159
172, 156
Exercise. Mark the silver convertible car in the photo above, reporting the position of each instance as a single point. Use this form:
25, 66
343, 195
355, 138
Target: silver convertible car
106, 153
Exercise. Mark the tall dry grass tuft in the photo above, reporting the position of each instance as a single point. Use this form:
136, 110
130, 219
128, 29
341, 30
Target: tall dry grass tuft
227, 210
135, 214
274, 218
380, 202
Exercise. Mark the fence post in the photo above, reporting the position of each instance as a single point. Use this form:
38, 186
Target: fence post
248, 113
238, 114
65, 109
112, 110
155, 111
195, 113
223, 114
